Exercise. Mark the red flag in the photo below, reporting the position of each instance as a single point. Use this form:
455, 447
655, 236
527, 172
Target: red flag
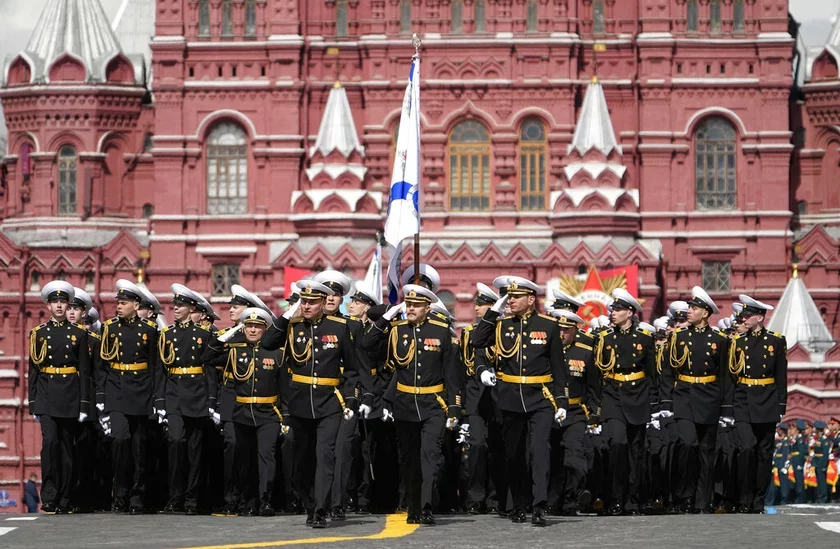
810, 476
291, 275
791, 474
831, 473
776, 480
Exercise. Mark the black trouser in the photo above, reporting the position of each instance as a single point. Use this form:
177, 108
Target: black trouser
185, 449
670, 467
346, 447
231, 487
256, 443
421, 455
314, 459
595, 451
568, 465
726, 480
129, 434
487, 484
57, 438
696, 461
626, 451
381, 493
528, 435
755, 461
85, 465
822, 485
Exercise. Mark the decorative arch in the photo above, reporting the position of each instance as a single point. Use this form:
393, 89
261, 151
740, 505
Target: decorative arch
699, 116
65, 138
217, 117
534, 112
468, 111
19, 71
120, 71
825, 66
67, 68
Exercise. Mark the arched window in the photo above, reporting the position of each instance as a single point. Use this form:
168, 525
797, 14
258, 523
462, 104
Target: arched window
480, 16
532, 21
67, 166
405, 15
692, 16
598, 21
738, 15
251, 18
715, 171
469, 167
714, 15
532, 164
227, 17
227, 170
457, 15
204, 17
341, 18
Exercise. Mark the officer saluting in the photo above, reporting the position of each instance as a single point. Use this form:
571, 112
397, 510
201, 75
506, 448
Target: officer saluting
532, 392
124, 392
424, 395
185, 393
693, 387
758, 366
627, 357
59, 389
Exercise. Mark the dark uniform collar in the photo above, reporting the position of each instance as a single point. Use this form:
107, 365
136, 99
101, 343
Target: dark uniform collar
758, 332
426, 319
628, 329
700, 329
527, 315
186, 324
55, 322
316, 321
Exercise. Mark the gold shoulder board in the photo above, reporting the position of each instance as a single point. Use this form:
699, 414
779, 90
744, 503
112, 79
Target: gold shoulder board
337, 319
439, 323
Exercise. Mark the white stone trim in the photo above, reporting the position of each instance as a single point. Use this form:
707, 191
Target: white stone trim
205, 84
225, 112
810, 391
717, 234
225, 250
715, 110
715, 80
224, 237
351, 197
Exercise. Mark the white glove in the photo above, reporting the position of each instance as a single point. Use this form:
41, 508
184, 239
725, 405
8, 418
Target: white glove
451, 423
387, 415
665, 414
594, 429
217, 418
285, 429
105, 422
100, 407
488, 378
292, 310
82, 417
348, 414
654, 423
463, 433
499, 306
36, 418
559, 415
727, 421
364, 411
161, 414
225, 337
392, 312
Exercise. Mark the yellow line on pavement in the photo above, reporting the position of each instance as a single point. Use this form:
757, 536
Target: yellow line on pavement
395, 527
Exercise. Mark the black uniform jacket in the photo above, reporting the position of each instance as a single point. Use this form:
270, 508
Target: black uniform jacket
693, 383
620, 353
184, 384
758, 367
128, 350
59, 370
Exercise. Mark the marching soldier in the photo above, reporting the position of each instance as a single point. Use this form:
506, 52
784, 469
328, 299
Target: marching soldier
486, 486
776, 494
532, 392
317, 347
424, 395
59, 389
821, 451
584, 392
758, 366
258, 387
185, 394
627, 357
124, 390
694, 390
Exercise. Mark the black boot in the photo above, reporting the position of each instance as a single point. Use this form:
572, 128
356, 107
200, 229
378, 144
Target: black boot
538, 518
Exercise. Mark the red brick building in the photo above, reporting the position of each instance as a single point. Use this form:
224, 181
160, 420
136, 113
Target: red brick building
216, 146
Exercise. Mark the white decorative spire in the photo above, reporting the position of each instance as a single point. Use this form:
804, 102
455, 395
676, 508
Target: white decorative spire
594, 129
799, 320
337, 131
134, 26
78, 28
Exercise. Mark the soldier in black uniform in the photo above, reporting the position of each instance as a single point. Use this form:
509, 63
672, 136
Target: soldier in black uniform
424, 395
317, 347
85, 455
59, 391
186, 392
347, 449
124, 390
258, 387
758, 366
627, 357
568, 463
693, 389
532, 392
486, 483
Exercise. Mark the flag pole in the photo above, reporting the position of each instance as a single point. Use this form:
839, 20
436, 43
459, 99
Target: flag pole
416, 42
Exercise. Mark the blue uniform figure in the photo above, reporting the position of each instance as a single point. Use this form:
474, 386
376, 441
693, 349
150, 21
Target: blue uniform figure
819, 459
779, 494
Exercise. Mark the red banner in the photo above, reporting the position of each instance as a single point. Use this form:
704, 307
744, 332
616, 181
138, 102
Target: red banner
291, 275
